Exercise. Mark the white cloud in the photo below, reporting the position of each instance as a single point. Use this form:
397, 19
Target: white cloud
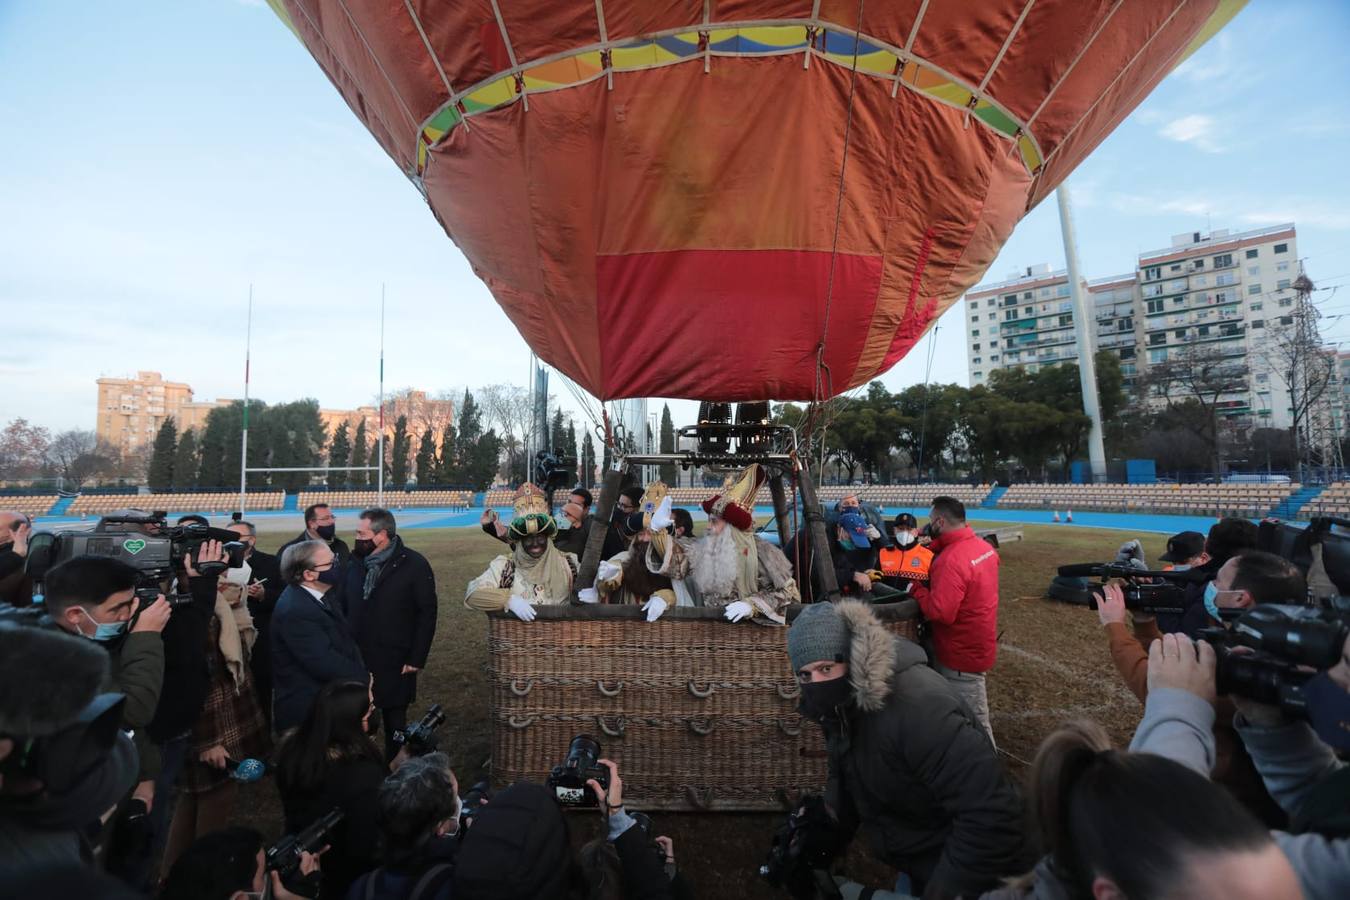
1196, 129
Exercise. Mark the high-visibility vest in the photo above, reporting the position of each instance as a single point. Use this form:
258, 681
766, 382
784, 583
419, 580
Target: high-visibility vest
898, 566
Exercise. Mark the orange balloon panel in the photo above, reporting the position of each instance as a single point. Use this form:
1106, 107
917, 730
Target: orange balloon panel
741, 199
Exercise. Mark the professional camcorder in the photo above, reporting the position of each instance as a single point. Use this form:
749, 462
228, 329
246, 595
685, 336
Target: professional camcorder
1145, 591
552, 472
144, 540
803, 850
568, 781
1273, 650
420, 739
284, 856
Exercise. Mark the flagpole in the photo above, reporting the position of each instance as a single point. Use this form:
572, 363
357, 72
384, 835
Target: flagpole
243, 449
379, 494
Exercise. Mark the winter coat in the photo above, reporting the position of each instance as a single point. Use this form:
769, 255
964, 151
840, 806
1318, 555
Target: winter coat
909, 762
352, 785
845, 563
395, 625
962, 601
137, 661
573, 540
311, 646
187, 671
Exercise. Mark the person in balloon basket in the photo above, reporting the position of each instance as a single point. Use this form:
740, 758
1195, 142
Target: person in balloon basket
730, 567
961, 605
907, 563
635, 576
535, 572
909, 762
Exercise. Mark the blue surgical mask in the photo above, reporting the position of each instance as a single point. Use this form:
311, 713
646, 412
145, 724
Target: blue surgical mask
1181, 568
104, 631
1211, 600
564, 523
1328, 710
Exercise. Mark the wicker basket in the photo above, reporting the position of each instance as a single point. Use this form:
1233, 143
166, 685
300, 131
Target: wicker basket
699, 714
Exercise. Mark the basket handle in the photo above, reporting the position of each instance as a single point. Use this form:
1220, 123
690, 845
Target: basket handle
701, 727
616, 731
519, 691
701, 693
790, 692
618, 686
519, 722
699, 799
790, 730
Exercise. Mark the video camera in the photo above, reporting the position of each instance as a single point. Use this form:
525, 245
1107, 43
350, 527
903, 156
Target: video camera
803, 850
1166, 595
568, 781
1282, 648
284, 856
552, 471
143, 540
420, 739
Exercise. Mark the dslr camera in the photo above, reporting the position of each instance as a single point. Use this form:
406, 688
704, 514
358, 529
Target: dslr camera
284, 856
144, 540
420, 739
1284, 646
568, 781
803, 850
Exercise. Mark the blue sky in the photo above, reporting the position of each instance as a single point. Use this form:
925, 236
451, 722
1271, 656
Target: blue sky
157, 157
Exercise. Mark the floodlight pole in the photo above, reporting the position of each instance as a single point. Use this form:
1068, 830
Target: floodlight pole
1084, 324
379, 492
243, 449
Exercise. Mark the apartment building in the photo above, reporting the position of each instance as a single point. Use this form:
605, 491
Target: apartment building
131, 410
1216, 292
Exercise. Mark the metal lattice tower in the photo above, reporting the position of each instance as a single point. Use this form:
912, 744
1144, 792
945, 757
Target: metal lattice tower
1317, 376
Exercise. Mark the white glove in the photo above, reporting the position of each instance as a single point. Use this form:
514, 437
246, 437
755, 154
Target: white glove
661, 518
738, 610
588, 595
608, 571
520, 609
654, 607
872, 533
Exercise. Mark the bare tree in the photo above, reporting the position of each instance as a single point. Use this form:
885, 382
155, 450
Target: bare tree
23, 447
77, 456
1193, 386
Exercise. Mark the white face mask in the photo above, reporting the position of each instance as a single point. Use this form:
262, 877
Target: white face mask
904, 538
239, 576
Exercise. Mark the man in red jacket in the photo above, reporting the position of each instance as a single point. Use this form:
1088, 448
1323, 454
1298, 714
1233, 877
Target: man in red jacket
962, 605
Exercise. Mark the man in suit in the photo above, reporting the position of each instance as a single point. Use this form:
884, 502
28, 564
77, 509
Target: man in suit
311, 643
264, 586
321, 525
390, 593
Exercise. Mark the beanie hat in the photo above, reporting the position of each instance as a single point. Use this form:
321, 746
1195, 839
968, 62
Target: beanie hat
517, 849
818, 633
47, 677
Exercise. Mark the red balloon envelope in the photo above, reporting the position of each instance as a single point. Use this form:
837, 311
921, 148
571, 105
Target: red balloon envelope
738, 199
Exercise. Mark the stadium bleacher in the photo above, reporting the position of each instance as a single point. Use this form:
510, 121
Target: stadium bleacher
1333, 501
30, 505
1251, 500
392, 499
222, 502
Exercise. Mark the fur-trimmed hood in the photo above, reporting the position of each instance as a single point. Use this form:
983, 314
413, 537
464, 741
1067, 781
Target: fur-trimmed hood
875, 655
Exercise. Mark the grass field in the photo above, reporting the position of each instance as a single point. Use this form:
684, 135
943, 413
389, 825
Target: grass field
1052, 666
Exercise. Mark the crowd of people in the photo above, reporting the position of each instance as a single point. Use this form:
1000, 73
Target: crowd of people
130, 715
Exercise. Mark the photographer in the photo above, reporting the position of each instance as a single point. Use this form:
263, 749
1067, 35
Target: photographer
1244, 580
229, 865
519, 848
908, 759
62, 767
1178, 724
329, 762
1227, 538
230, 725
94, 597
16, 588
419, 815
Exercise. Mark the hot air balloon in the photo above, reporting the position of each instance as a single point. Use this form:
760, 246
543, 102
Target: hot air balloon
738, 199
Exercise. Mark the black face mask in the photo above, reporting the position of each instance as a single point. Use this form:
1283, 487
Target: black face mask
821, 699
362, 548
326, 531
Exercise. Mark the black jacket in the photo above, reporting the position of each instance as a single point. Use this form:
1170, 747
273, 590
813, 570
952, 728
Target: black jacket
909, 763
187, 670
265, 566
573, 540
395, 625
311, 646
844, 562
16, 588
354, 787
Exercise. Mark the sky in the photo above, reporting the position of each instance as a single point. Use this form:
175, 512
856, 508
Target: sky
159, 157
